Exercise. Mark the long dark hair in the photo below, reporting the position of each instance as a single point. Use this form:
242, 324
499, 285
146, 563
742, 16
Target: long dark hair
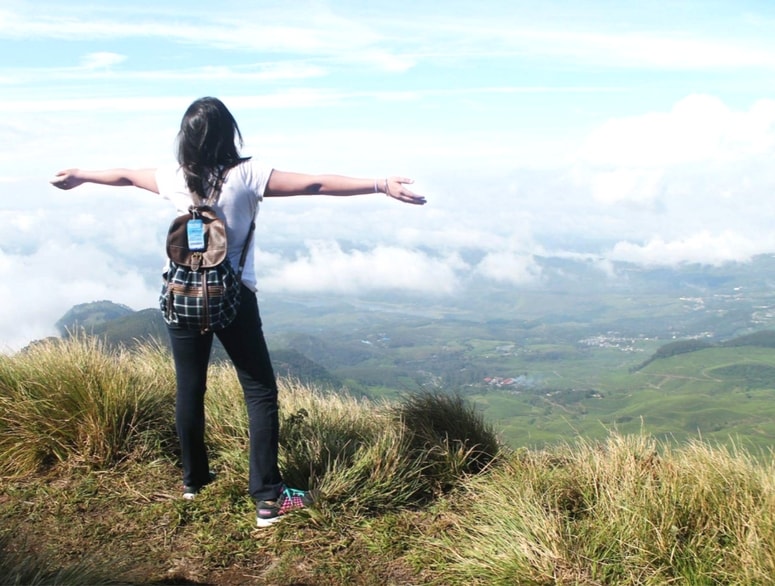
208, 145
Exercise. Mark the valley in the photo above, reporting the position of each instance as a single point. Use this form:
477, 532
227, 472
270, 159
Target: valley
579, 355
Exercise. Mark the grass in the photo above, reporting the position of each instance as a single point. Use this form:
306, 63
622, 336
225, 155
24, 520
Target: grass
70, 401
414, 491
624, 511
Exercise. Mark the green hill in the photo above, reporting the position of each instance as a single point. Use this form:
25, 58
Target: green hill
119, 326
90, 316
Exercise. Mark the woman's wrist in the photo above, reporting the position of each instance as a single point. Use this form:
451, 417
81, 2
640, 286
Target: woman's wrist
382, 186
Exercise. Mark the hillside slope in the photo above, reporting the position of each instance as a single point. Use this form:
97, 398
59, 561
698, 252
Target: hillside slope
408, 493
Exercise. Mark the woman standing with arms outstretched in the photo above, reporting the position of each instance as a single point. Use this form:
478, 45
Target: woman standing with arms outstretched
209, 162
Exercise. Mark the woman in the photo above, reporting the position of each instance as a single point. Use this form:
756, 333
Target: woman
210, 163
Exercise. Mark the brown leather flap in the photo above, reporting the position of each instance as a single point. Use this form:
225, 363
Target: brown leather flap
215, 239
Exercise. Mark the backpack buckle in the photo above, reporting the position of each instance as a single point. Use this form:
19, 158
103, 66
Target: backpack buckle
196, 260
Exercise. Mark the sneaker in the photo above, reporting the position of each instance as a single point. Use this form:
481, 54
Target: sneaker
190, 492
268, 512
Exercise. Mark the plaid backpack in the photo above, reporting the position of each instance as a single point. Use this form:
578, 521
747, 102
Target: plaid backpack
201, 289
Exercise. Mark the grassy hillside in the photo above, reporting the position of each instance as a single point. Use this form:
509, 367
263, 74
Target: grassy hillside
723, 394
415, 491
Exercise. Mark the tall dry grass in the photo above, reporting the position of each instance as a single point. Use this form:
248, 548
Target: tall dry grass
72, 400
624, 511
76, 401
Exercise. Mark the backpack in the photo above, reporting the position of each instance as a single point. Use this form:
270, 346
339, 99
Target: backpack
201, 290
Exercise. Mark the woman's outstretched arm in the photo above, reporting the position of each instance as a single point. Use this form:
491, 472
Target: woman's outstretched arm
142, 178
283, 183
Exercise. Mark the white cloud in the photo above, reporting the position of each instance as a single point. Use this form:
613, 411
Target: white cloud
395, 41
292, 98
97, 105
97, 67
651, 50
101, 60
58, 276
322, 33
626, 184
699, 128
650, 157
451, 236
326, 267
702, 247
509, 267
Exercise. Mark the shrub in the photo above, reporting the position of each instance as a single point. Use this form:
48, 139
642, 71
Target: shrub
72, 400
451, 431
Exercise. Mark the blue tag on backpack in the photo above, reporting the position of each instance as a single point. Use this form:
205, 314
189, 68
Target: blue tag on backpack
196, 235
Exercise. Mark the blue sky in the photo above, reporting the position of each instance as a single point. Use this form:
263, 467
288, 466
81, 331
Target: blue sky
610, 131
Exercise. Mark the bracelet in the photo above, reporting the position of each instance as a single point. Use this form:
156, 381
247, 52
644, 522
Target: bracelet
375, 187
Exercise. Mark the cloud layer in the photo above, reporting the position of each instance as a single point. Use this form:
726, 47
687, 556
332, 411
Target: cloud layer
566, 129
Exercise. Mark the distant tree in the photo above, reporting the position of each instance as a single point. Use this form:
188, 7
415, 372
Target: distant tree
674, 349
681, 347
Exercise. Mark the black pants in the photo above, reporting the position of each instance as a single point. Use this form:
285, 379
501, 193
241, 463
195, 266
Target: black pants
244, 341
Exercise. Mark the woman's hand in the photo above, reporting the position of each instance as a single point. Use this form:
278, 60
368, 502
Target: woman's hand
67, 179
395, 187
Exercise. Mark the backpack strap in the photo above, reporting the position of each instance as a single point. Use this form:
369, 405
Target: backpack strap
248, 241
215, 191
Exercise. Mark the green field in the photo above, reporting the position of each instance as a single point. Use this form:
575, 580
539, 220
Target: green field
566, 383
719, 394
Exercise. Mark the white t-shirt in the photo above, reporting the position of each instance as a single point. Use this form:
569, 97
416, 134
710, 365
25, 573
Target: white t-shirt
237, 205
